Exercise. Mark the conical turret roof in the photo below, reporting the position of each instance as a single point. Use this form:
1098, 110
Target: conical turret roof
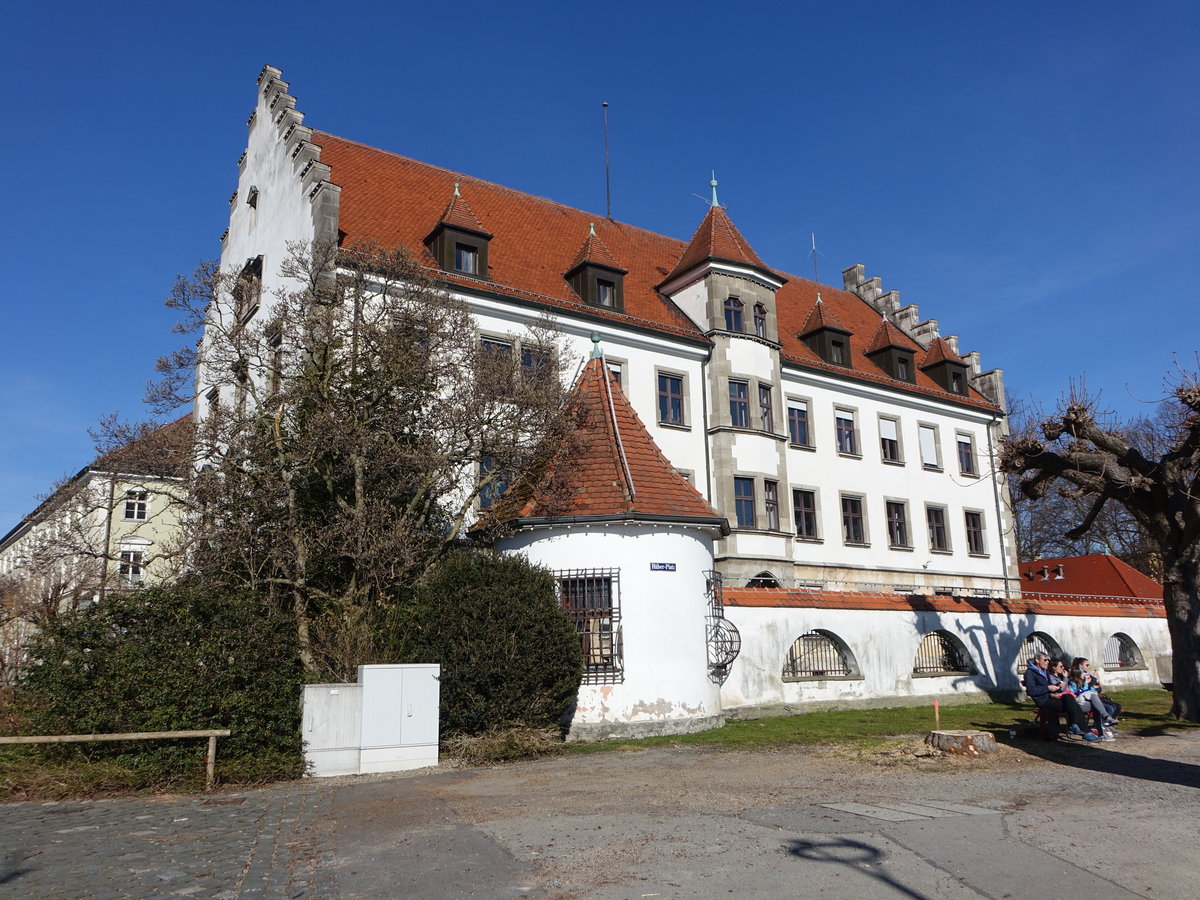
717, 238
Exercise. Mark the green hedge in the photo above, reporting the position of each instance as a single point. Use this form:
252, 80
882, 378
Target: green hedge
509, 655
172, 658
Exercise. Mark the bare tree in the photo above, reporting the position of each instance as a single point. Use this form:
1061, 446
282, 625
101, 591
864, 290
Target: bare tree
347, 431
1154, 474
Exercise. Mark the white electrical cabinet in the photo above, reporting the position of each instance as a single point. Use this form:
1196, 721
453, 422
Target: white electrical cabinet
385, 723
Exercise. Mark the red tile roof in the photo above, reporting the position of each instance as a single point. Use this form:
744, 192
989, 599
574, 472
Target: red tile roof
821, 317
392, 200
458, 212
1097, 575
717, 238
615, 468
782, 598
593, 250
888, 335
940, 351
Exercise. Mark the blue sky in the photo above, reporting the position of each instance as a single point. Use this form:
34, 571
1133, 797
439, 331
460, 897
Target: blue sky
1025, 172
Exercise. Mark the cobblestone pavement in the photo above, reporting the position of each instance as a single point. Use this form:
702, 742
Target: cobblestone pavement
261, 844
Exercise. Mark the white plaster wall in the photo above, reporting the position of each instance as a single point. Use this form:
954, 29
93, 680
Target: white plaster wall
884, 644
831, 474
662, 619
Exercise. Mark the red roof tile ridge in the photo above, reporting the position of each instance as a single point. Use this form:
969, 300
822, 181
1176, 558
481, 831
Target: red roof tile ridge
821, 317
717, 238
594, 250
458, 212
888, 335
940, 351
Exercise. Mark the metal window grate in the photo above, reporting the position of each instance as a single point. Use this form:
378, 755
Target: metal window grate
1033, 645
591, 600
1120, 652
940, 653
814, 655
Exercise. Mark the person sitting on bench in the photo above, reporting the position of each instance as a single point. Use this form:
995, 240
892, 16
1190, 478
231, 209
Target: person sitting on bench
1055, 698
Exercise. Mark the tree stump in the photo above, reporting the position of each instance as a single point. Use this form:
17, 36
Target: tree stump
962, 743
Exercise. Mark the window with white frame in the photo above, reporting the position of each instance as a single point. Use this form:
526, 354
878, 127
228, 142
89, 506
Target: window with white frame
889, 439
760, 320
973, 519
466, 259
966, 454
591, 600
939, 537
854, 526
798, 425
131, 561
845, 432
804, 509
931, 457
137, 506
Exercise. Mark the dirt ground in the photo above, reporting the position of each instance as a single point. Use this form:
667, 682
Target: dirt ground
699, 821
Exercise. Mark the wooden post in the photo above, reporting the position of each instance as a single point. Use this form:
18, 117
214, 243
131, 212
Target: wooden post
212, 762
937, 716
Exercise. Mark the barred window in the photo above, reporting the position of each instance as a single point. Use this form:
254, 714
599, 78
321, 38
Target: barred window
591, 600
1120, 652
941, 653
1033, 645
818, 655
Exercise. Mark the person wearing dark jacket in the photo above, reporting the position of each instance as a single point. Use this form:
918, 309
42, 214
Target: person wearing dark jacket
1054, 697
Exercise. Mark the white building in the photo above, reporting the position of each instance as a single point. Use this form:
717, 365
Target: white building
849, 447
111, 526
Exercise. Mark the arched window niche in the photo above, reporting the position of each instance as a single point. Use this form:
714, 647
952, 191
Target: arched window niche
820, 656
941, 653
1035, 643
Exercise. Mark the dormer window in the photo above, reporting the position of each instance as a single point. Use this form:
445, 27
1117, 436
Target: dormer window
904, 368
892, 351
837, 352
733, 314
957, 383
458, 242
606, 293
466, 259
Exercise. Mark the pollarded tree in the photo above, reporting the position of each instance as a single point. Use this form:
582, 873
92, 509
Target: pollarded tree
1154, 475
346, 430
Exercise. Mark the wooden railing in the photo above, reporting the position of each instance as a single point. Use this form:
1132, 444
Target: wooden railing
212, 734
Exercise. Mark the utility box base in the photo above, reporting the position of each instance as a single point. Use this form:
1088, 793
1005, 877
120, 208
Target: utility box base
387, 722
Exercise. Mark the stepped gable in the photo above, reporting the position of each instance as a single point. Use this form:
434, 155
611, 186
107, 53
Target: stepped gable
393, 200
594, 251
1095, 575
940, 351
821, 317
889, 335
600, 482
717, 238
458, 213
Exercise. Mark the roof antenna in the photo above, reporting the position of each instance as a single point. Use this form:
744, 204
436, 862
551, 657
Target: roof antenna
815, 253
607, 173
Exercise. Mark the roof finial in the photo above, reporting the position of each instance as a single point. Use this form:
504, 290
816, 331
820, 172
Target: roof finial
456, 193
591, 229
818, 296
713, 184
596, 354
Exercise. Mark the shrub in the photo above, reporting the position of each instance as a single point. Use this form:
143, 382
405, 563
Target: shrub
509, 656
172, 658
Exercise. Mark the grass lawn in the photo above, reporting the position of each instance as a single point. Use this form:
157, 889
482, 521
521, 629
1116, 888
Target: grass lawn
1147, 712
